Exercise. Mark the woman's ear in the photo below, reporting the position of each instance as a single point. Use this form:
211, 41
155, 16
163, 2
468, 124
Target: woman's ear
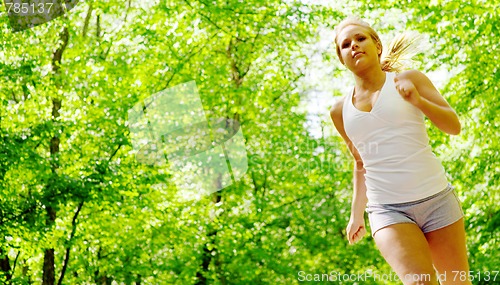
379, 49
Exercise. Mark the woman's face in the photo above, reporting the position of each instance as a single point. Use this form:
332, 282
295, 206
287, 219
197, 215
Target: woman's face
357, 48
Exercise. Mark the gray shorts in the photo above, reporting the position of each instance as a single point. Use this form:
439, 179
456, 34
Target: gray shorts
429, 214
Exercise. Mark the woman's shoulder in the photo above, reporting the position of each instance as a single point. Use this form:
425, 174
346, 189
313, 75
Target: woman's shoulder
419, 79
412, 74
337, 106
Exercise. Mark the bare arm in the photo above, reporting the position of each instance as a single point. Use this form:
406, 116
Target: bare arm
356, 228
417, 89
359, 199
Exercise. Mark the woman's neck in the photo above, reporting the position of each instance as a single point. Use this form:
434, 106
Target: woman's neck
370, 80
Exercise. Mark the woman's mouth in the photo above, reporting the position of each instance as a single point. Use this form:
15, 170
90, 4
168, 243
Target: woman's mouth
357, 53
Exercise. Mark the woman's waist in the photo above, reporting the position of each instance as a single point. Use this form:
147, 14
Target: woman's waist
403, 188
381, 159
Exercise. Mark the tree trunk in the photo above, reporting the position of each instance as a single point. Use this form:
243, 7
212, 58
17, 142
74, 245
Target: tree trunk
207, 256
48, 277
5, 266
48, 267
48, 258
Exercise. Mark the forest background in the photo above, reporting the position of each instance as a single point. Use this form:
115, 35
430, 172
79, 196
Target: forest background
78, 207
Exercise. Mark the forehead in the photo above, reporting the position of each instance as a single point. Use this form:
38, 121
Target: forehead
351, 31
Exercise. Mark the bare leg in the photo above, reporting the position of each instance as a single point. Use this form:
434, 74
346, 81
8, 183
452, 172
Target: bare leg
406, 250
449, 253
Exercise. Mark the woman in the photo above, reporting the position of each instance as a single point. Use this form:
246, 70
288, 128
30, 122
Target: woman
415, 217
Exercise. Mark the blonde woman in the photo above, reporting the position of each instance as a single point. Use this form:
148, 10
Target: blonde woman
415, 217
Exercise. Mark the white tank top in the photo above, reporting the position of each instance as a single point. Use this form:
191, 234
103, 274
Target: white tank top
393, 144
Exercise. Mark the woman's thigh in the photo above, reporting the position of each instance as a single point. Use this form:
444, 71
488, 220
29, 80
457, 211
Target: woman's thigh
449, 253
405, 248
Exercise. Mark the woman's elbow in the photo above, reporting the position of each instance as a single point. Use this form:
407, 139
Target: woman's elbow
453, 127
358, 165
456, 128
452, 130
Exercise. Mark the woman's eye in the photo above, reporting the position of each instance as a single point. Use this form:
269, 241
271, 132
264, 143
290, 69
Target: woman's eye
361, 39
346, 45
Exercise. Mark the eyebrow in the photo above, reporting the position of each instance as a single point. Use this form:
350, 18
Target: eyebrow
355, 35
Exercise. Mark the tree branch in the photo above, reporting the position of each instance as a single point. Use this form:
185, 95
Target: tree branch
105, 55
288, 87
115, 152
57, 57
188, 57
15, 261
87, 20
213, 23
293, 201
68, 248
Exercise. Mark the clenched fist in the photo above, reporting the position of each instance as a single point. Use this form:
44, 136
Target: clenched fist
355, 230
407, 90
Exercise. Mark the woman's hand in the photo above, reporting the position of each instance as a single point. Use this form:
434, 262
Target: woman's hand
407, 90
356, 230
416, 88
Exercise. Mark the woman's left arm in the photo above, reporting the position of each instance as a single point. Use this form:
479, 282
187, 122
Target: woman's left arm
418, 90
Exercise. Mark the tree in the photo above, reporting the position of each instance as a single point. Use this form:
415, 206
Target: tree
77, 206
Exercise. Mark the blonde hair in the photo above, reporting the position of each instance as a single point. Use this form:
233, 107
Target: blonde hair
400, 52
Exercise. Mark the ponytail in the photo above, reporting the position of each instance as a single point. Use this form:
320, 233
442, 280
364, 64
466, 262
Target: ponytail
400, 52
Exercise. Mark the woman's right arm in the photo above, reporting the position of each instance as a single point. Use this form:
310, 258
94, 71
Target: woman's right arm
356, 228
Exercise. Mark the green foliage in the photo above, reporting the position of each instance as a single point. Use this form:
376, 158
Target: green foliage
117, 220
